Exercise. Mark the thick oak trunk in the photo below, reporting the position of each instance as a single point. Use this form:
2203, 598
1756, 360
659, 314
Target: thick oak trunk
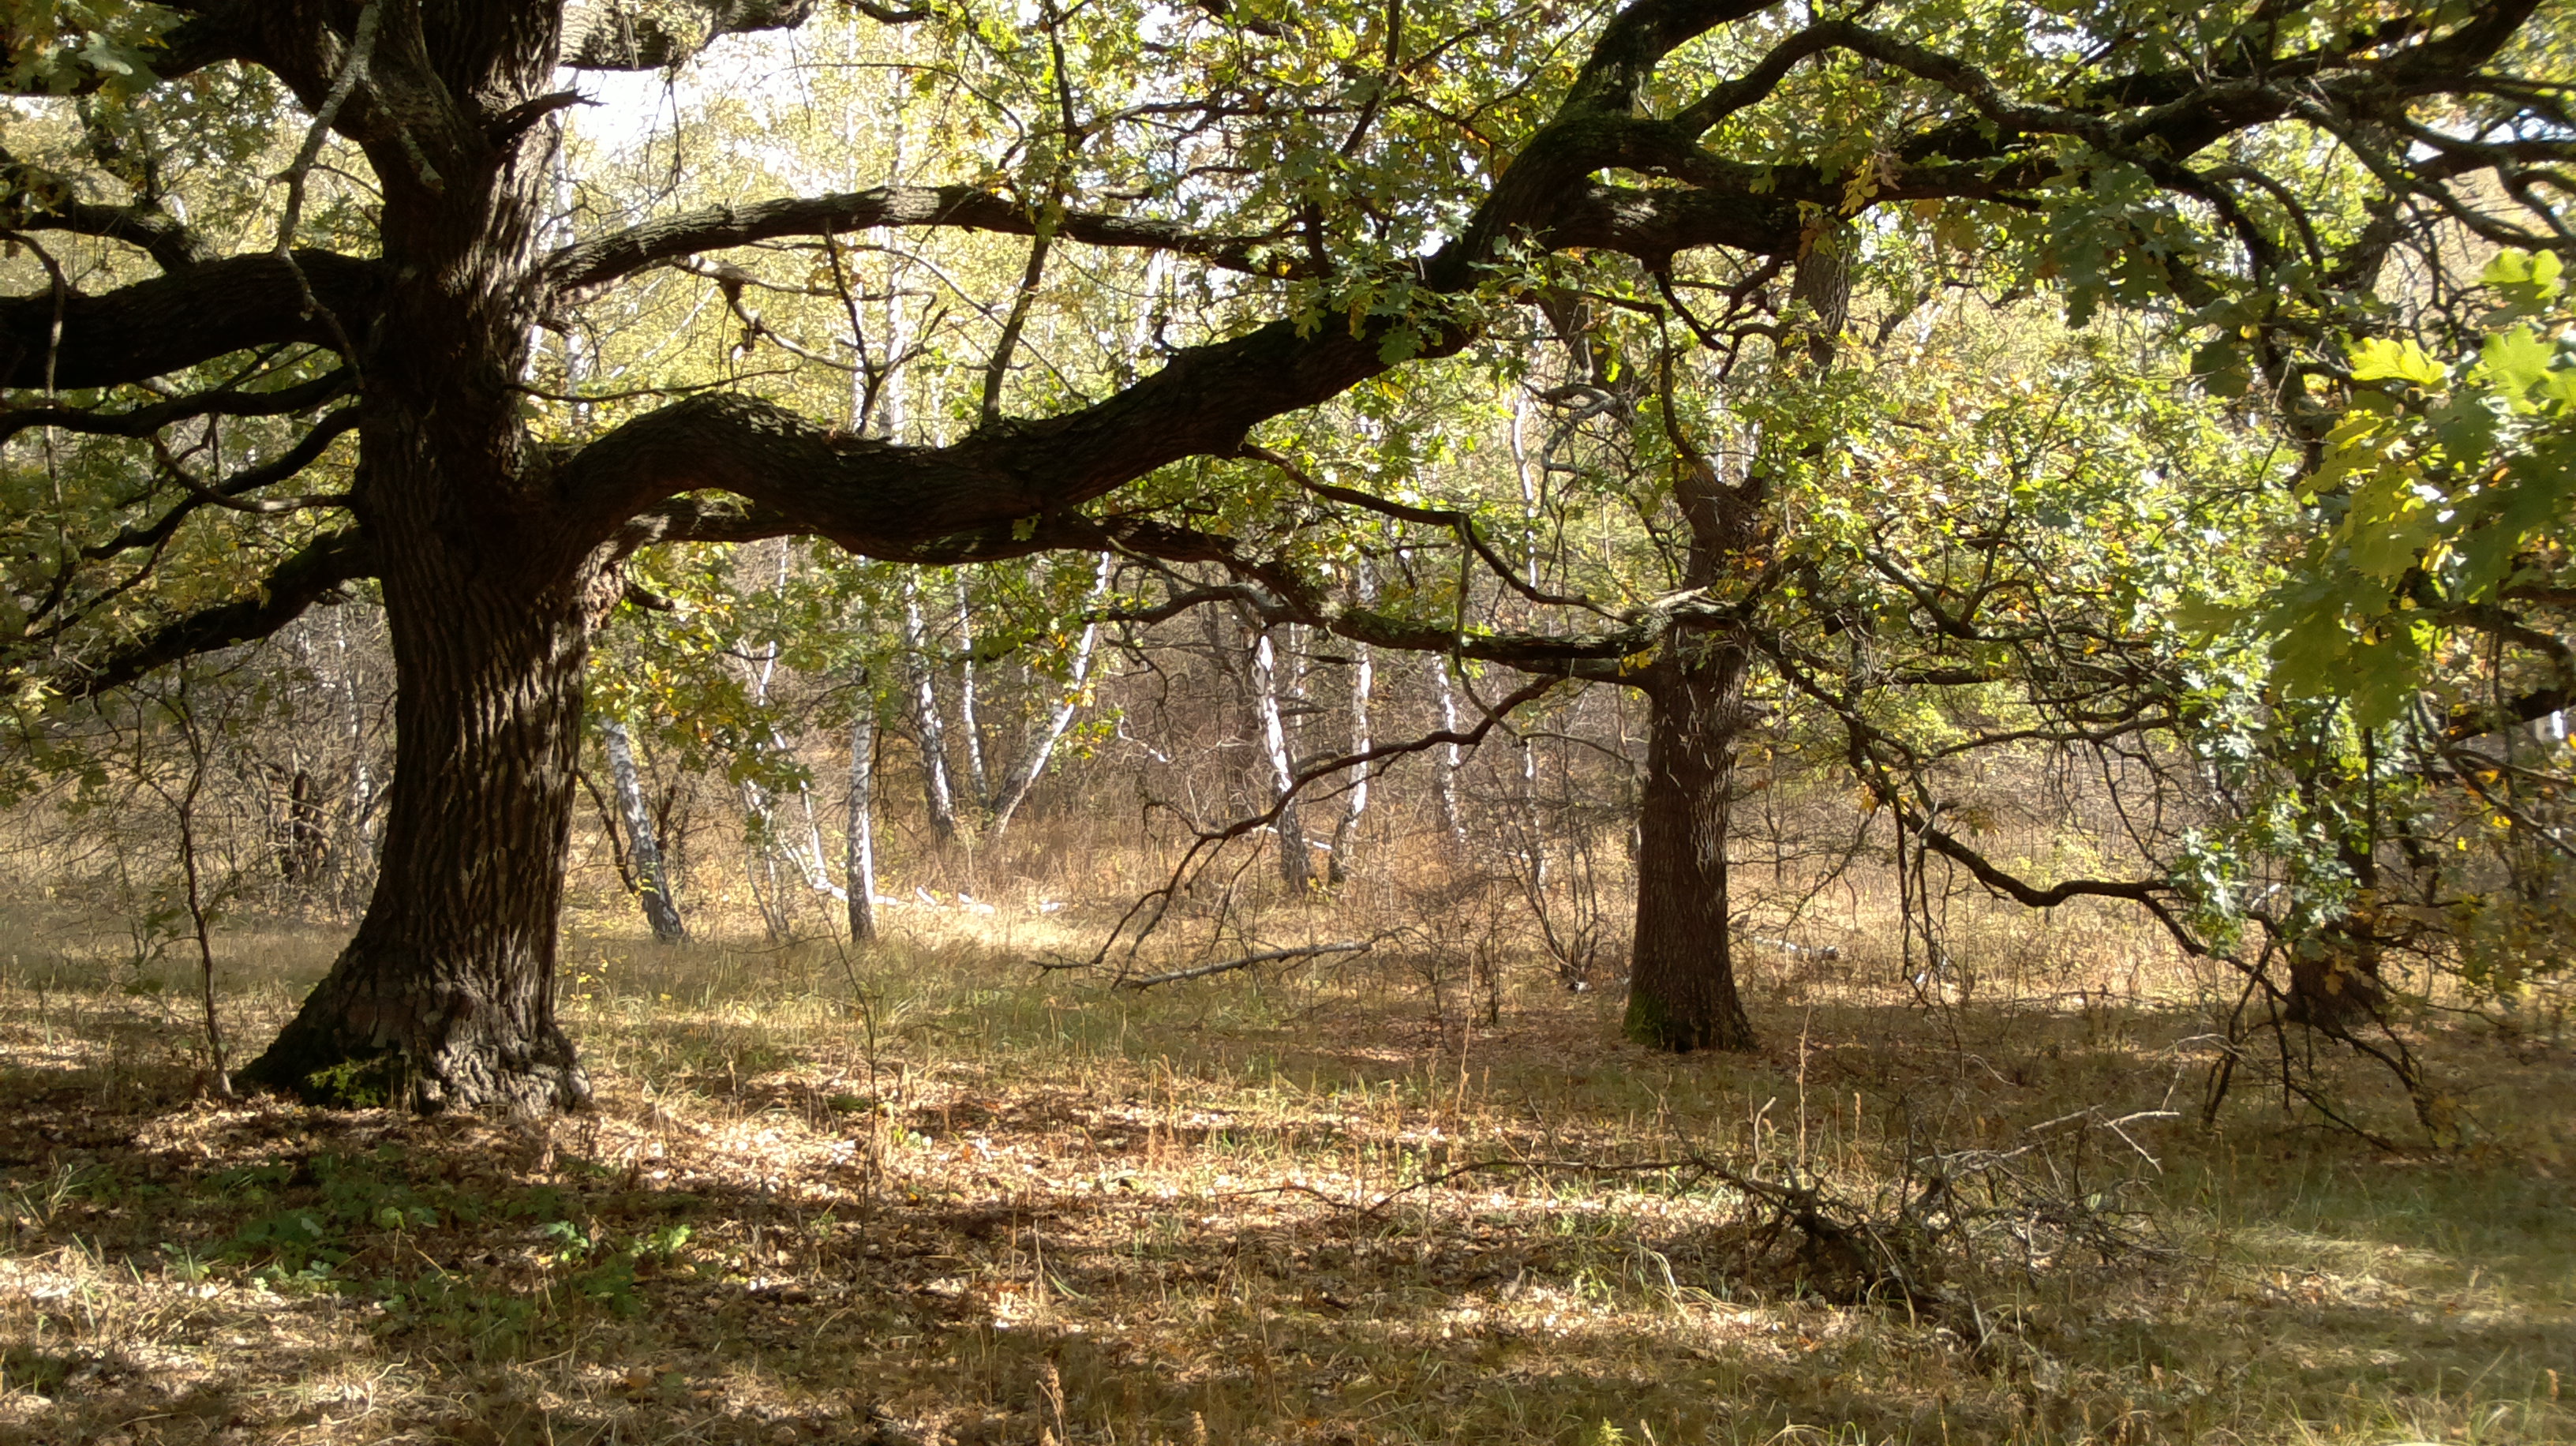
1681, 993
445, 997
2335, 985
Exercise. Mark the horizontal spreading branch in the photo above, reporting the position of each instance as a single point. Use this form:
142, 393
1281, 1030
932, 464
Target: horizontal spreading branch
143, 421
1550, 195
963, 208
1013, 487
169, 323
316, 572
884, 499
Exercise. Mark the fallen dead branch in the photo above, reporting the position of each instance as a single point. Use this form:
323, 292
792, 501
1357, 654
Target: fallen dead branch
1227, 966
1953, 1217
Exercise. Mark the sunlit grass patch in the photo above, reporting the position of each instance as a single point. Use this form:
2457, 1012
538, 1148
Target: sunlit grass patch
892, 1195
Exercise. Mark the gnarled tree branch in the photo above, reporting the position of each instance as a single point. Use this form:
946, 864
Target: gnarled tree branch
310, 575
169, 323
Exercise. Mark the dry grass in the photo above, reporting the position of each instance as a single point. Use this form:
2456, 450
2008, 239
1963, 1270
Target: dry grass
928, 1195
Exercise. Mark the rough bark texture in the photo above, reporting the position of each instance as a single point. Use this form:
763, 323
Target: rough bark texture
2333, 989
1682, 982
1682, 992
446, 995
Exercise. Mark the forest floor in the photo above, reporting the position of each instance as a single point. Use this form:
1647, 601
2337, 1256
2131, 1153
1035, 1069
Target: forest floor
932, 1195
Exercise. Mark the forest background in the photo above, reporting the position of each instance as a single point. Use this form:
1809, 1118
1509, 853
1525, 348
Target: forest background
1287, 680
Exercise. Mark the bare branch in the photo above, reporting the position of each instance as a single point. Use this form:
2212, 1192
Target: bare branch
1271, 956
143, 421
36, 200
307, 450
311, 575
966, 208
168, 323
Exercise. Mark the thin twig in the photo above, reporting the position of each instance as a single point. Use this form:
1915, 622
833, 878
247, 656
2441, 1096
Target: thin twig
1273, 956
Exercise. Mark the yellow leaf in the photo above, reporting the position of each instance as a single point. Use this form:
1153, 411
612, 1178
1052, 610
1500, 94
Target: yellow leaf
2379, 358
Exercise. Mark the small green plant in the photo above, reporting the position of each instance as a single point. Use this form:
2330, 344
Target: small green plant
34, 1205
357, 1084
603, 1275
665, 1243
185, 1264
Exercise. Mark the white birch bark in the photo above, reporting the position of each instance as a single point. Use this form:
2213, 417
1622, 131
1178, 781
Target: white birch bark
1033, 761
1529, 489
972, 733
1355, 799
1536, 836
1444, 770
928, 728
652, 879
1296, 869
891, 418
770, 847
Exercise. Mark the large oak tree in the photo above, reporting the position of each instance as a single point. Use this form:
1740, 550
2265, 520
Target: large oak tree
1651, 130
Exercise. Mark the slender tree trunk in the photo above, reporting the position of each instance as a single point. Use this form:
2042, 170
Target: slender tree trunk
968, 728
1444, 771
927, 727
652, 879
859, 843
1033, 762
306, 842
1531, 825
1531, 831
768, 843
1339, 867
1682, 981
1296, 866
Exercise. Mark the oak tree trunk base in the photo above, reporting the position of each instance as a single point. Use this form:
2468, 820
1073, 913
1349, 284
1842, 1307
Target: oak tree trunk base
415, 1035
1651, 1024
1681, 992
